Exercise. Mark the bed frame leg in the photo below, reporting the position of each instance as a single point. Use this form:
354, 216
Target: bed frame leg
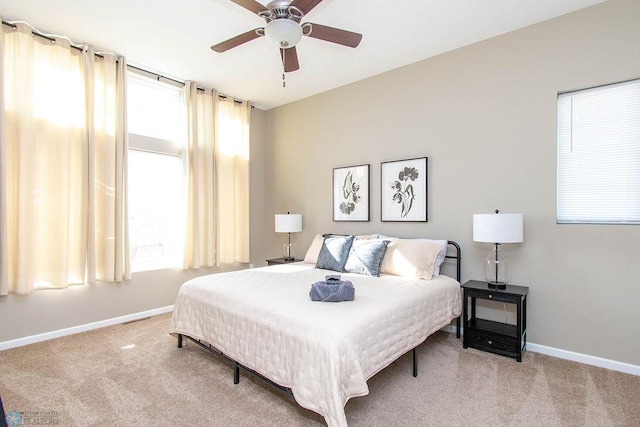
236, 373
179, 340
458, 327
415, 362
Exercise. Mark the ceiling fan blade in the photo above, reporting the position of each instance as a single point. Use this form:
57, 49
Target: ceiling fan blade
305, 5
330, 34
251, 5
237, 40
289, 59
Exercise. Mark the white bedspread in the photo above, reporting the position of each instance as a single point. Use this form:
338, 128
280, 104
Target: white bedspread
325, 352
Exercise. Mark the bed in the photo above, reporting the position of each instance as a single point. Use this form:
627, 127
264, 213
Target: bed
263, 320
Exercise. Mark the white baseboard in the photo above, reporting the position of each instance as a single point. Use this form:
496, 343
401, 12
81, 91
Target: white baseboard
5, 345
614, 365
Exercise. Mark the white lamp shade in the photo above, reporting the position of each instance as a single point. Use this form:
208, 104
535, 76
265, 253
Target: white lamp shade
288, 223
498, 228
284, 33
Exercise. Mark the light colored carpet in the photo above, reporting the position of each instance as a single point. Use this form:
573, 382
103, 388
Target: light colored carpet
134, 375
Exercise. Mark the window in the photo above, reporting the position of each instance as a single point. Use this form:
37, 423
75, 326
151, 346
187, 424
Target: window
155, 174
599, 155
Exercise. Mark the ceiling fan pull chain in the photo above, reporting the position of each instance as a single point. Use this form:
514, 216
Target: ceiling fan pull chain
284, 58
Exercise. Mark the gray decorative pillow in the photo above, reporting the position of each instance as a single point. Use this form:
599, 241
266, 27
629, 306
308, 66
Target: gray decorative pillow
366, 256
334, 252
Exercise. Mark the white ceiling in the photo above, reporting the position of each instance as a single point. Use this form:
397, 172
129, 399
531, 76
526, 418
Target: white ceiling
173, 38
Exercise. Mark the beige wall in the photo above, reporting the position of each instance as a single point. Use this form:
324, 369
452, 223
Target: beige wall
485, 115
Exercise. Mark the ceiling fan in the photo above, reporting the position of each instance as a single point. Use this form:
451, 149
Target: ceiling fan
285, 30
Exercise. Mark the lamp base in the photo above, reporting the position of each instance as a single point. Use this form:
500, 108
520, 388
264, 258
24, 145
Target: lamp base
288, 252
497, 285
497, 268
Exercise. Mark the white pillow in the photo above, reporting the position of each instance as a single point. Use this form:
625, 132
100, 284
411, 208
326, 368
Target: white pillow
314, 250
410, 258
441, 255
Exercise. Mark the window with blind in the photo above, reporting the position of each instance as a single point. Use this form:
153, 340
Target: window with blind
598, 170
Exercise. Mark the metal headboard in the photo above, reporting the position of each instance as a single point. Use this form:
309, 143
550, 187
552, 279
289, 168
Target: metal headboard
457, 257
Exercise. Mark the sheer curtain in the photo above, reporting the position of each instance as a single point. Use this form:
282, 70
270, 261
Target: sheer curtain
62, 158
108, 254
233, 180
217, 169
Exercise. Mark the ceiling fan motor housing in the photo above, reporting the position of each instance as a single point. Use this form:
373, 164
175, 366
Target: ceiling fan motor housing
281, 9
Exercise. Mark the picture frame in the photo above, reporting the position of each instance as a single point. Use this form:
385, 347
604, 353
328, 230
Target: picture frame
351, 193
403, 190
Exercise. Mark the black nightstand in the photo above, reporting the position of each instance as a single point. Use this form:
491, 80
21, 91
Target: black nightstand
277, 261
496, 337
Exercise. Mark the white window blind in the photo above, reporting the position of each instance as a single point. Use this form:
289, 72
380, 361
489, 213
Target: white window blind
599, 155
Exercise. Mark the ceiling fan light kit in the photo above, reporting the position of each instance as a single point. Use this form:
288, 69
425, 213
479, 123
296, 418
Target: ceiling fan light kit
283, 33
283, 29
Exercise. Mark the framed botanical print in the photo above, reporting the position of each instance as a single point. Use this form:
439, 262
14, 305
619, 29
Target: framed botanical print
351, 193
403, 190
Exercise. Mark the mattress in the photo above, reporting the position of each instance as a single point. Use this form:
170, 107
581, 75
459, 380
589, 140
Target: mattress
324, 352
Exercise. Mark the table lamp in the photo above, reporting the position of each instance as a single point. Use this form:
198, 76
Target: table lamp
288, 223
497, 228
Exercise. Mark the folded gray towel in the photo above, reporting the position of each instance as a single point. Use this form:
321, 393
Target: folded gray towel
332, 291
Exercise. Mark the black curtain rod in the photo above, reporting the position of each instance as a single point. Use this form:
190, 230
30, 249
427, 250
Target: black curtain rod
46, 37
158, 76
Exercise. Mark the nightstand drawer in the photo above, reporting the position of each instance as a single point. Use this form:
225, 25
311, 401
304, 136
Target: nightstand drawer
493, 296
490, 339
485, 340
